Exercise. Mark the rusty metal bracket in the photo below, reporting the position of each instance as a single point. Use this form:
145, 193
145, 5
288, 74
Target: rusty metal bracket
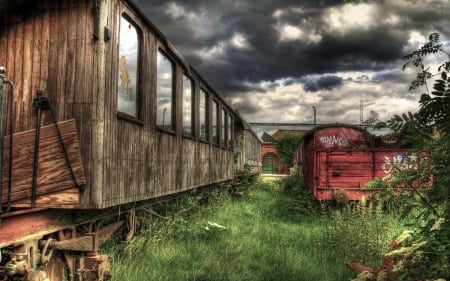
90, 242
96, 12
45, 258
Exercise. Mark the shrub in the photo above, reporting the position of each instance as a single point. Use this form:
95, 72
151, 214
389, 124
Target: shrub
304, 201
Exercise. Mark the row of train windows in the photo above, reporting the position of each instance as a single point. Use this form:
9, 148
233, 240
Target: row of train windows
128, 94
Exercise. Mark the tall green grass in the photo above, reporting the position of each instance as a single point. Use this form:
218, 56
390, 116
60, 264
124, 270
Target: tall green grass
276, 231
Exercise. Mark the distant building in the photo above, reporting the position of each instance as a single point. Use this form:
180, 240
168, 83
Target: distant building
271, 163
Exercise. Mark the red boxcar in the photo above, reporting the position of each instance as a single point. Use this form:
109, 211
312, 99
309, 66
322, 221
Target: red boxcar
338, 160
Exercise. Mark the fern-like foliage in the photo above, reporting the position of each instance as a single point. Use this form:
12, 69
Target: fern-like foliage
406, 130
434, 105
432, 261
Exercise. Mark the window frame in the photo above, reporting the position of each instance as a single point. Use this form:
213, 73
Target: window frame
172, 127
192, 106
137, 118
215, 130
230, 130
206, 136
223, 133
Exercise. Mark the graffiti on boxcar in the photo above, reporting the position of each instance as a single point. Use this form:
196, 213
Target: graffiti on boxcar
401, 162
330, 141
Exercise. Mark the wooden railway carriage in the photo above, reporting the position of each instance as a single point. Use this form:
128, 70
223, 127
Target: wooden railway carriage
107, 115
247, 148
337, 161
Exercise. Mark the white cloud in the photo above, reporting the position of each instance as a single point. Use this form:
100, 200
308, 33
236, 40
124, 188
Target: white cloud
218, 52
291, 103
415, 39
280, 13
391, 19
175, 10
289, 32
349, 17
294, 32
239, 41
215, 52
199, 22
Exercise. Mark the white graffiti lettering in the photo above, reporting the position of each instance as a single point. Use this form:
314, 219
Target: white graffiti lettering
400, 162
330, 141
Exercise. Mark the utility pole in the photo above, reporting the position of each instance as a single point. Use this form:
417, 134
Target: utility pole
314, 109
361, 111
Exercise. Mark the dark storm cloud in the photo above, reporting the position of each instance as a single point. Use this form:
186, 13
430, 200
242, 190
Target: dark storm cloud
247, 108
273, 59
327, 82
391, 75
202, 30
269, 59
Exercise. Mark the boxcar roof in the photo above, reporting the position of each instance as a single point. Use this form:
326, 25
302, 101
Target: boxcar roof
311, 132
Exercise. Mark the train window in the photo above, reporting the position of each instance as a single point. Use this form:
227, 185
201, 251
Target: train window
203, 111
230, 131
164, 91
223, 139
188, 103
127, 94
215, 123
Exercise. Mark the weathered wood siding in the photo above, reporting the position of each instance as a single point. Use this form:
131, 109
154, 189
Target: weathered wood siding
247, 150
139, 160
50, 45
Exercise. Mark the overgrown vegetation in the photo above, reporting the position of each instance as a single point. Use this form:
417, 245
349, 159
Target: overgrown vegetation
275, 231
425, 252
359, 231
286, 145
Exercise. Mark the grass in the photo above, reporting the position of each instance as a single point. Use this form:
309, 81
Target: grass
271, 233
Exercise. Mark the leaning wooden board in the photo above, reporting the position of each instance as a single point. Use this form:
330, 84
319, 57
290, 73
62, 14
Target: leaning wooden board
55, 184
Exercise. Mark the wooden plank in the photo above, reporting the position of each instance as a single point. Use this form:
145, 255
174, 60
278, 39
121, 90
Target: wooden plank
81, 64
44, 49
27, 121
26, 96
67, 46
3, 42
53, 171
67, 199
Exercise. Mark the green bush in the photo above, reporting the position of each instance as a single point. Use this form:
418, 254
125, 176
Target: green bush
303, 200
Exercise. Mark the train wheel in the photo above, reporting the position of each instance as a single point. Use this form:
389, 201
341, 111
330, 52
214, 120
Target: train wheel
341, 196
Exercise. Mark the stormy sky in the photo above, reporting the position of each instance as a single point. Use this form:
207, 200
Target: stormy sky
274, 60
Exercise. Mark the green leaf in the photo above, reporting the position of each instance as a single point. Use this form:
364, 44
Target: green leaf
405, 117
437, 93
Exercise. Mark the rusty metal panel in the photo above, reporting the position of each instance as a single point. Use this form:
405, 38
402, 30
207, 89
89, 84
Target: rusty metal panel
15, 228
341, 160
